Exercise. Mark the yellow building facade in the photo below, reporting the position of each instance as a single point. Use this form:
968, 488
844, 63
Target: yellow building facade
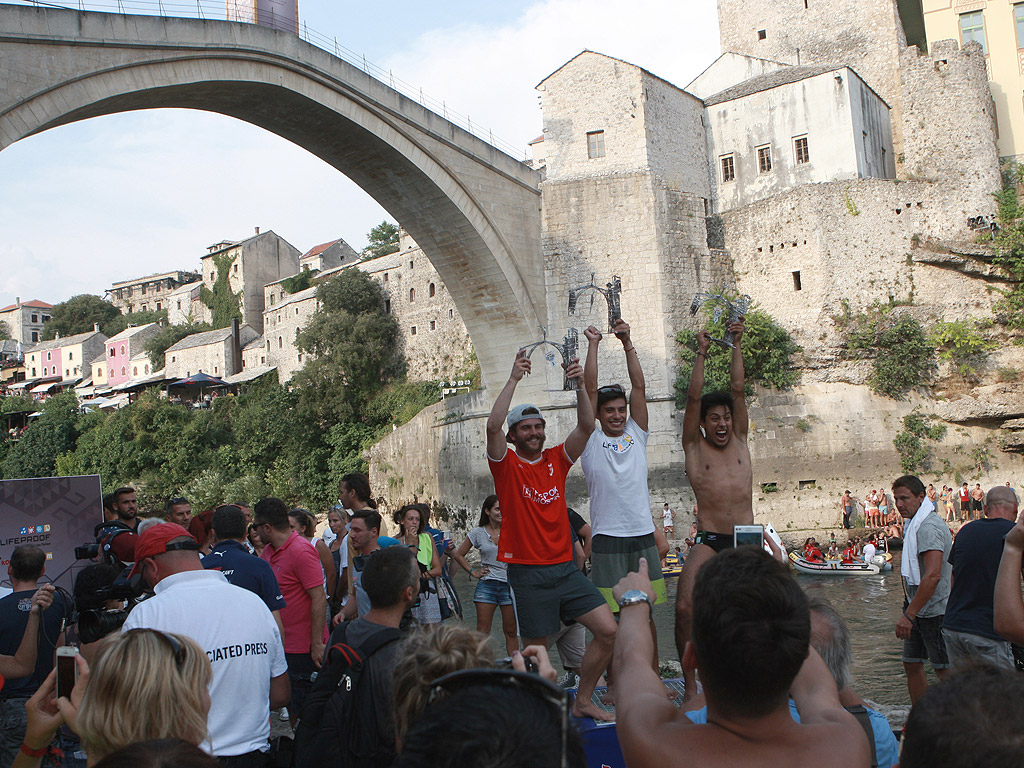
998, 26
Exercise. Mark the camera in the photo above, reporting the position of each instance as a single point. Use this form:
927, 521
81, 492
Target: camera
95, 621
506, 663
87, 551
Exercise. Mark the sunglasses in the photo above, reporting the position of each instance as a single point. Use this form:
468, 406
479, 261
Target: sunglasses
175, 645
610, 388
508, 678
179, 500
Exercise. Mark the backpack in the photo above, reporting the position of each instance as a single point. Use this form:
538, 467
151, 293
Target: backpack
338, 724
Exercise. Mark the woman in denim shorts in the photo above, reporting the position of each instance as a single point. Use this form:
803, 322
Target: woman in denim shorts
492, 591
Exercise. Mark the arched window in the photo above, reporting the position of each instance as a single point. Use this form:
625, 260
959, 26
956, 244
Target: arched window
280, 342
412, 294
135, 371
147, 370
431, 291
111, 373
123, 372
122, 349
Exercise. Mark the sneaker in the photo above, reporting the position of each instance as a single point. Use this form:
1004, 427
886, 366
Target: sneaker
284, 715
569, 680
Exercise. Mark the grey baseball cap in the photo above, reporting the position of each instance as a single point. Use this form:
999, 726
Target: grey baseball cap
522, 412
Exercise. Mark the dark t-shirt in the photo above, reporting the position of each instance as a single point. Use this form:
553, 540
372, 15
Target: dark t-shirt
576, 522
975, 557
13, 619
247, 571
380, 669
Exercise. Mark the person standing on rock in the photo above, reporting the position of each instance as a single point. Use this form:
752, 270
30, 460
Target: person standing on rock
847, 504
718, 466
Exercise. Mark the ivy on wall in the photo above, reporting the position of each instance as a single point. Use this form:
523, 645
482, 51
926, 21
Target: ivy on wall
225, 305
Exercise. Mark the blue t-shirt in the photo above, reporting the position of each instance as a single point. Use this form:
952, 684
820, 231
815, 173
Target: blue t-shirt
359, 562
887, 750
247, 571
975, 557
14, 611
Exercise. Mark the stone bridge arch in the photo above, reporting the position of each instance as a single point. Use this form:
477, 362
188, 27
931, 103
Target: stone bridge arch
474, 210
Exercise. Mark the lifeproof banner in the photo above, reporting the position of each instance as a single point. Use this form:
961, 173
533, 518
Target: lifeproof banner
54, 513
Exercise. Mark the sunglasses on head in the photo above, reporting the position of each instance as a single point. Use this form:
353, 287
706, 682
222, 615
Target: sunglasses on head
179, 500
175, 645
508, 678
611, 388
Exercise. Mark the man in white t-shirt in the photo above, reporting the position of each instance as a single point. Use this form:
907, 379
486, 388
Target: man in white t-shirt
666, 520
615, 465
234, 627
870, 549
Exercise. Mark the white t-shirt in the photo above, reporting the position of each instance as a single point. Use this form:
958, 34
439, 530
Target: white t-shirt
666, 516
869, 552
239, 634
616, 472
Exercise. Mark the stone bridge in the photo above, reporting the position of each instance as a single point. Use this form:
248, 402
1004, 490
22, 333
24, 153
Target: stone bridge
474, 210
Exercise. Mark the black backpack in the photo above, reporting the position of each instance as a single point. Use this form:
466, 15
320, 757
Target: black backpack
338, 725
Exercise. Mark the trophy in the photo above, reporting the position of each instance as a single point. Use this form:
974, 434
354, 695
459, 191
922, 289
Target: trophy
568, 349
737, 308
611, 293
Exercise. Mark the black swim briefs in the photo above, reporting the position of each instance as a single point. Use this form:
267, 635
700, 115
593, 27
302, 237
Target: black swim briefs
717, 541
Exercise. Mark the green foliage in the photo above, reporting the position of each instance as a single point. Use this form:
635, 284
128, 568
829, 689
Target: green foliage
803, 425
17, 404
383, 239
962, 343
5, 331
1009, 245
225, 304
51, 434
119, 323
157, 344
299, 282
78, 315
767, 352
910, 444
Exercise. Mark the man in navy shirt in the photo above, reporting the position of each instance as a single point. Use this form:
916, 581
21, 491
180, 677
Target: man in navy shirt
231, 557
967, 627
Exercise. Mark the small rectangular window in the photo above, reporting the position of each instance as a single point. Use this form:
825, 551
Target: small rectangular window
764, 159
972, 29
595, 144
762, 34
796, 281
1018, 19
412, 331
800, 147
728, 168
433, 325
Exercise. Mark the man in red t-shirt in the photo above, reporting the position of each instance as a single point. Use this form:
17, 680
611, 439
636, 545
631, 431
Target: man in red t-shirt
301, 578
547, 587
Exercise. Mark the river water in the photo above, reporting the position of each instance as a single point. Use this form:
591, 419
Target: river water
870, 606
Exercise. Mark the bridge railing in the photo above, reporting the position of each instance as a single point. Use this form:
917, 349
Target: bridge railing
217, 10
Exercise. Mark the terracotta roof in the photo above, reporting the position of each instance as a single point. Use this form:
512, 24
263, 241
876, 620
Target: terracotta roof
34, 304
316, 250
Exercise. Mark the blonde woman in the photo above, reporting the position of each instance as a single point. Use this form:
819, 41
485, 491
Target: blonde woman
144, 684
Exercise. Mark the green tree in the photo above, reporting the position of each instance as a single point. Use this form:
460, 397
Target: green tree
962, 343
78, 315
5, 331
226, 304
157, 344
905, 359
767, 356
383, 239
300, 282
353, 344
1009, 246
119, 323
51, 434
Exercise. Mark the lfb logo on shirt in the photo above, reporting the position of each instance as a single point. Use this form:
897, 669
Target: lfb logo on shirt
541, 497
619, 445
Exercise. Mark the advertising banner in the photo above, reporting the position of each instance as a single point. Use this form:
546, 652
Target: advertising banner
54, 513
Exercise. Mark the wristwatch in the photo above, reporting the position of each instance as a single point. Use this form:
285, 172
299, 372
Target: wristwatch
634, 596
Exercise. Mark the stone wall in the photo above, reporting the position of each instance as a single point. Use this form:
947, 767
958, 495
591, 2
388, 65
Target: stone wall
281, 325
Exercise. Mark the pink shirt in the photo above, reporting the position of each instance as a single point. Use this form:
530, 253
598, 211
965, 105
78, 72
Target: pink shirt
297, 568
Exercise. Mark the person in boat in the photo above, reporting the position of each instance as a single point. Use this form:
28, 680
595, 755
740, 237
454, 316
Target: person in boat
850, 553
812, 552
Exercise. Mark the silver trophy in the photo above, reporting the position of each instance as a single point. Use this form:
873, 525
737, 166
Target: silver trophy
568, 349
736, 307
611, 293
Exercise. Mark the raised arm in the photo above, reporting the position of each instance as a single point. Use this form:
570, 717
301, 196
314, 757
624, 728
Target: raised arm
637, 386
590, 367
577, 439
496, 446
691, 416
1008, 606
23, 661
737, 381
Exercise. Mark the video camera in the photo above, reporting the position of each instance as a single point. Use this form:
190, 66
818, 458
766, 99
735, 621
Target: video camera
95, 621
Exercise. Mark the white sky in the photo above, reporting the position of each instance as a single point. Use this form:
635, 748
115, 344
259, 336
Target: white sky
123, 196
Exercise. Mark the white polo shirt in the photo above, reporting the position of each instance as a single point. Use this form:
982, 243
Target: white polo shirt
616, 472
241, 639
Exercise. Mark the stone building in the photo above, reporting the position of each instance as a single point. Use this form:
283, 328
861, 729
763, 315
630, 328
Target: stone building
24, 320
250, 264
210, 352
183, 304
123, 350
65, 358
150, 293
328, 255
281, 325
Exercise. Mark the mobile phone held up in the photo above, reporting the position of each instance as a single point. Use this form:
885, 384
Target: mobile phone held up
748, 535
67, 670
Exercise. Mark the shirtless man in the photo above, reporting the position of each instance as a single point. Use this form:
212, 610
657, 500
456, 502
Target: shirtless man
718, 467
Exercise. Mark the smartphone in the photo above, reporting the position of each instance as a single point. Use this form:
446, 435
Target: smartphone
67, 670
748, 535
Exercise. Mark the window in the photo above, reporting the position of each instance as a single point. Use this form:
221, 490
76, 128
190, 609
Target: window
764, 159
385, 277
800, 148
595, 144
296, 310
796, 281
123, 372
972, 29
412, 331
451, 314
728, 168
387, 306
762, 34
71, 355
431, 291
433, 325
122, 349
158, 306
112, 371
145, 308
143, 289
111, 351
300, 358
67, 373
215, 369
48, 358
280, 342
263, 360
1018, 18
35, 337
35, 318
34, 373
179, 305
135, 370
173, 358
236, 269
271, 299
146, 369
213, 276
412, 295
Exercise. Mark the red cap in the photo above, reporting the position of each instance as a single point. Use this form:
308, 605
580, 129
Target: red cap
153, 542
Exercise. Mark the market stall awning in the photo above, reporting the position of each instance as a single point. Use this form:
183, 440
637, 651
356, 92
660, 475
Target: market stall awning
249, 375
141, 381
46, 386
22, 384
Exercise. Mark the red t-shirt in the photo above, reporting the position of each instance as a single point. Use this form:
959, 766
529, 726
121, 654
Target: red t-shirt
297, 568
964, 495
534, 518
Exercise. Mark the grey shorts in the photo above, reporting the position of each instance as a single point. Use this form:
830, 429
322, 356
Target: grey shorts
965, 647
571, 642
544, 596
926, 643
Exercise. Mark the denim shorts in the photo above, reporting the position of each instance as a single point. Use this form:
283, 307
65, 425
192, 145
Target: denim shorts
492, 591
926, 643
